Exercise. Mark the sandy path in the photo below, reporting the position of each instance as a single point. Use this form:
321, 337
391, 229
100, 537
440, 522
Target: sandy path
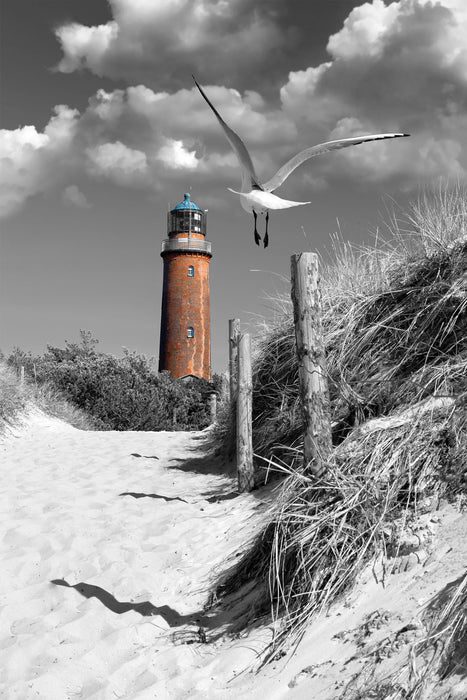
100, 592
126, 568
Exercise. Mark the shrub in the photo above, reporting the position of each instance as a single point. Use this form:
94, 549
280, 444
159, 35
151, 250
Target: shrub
118, 393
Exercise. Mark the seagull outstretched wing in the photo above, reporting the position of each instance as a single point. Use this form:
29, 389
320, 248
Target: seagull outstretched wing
249, 177
284, 172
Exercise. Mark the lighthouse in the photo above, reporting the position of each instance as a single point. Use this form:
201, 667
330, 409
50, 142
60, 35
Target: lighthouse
185, 339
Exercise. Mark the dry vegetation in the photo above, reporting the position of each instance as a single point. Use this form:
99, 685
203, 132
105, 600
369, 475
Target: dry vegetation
124, 393
395, 323
16, 398
437, 659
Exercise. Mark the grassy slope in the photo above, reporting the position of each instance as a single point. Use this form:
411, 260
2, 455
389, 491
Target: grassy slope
17, 397
395, 321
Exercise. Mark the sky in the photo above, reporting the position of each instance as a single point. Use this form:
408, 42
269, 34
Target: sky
102, 130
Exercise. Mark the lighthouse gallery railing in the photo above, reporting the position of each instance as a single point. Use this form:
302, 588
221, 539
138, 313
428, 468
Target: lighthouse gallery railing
194, 244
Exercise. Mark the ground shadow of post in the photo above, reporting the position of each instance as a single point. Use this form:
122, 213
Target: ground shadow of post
145, 608
218, 622
152, 495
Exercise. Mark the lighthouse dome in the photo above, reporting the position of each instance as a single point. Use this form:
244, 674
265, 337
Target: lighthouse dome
187, 203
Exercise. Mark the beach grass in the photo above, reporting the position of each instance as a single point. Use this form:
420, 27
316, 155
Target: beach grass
18, 397
395, 325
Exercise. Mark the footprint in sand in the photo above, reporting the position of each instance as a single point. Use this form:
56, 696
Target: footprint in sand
7, 642
26, 625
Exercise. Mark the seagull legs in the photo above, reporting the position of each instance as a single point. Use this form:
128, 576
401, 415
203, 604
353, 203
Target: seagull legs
266, 236
257, 236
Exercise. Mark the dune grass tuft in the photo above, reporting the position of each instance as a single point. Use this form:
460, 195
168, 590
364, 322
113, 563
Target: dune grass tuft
12, 399
17, 397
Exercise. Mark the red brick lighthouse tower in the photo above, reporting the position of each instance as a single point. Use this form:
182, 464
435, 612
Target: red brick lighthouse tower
185, 344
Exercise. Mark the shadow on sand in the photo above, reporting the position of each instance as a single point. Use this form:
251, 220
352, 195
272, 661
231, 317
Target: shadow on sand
218, 622
136, 454
145, 608
153, 495
218, 497
204, 463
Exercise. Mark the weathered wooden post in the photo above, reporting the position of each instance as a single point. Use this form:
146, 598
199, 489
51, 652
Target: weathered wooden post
21, 375
245, 471
213, 407
234, 333
225, 387
314, 393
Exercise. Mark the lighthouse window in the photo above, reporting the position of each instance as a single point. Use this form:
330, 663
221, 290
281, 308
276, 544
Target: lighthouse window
191, 271
190, 332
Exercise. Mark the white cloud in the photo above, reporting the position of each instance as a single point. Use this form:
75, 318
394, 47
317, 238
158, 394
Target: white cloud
84, 46
28, 158
174, 155
19, 156
118, 162
174, 37
396, 67
364, 31
73, 195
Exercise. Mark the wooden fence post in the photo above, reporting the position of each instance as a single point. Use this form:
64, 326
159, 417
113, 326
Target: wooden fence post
21, 375
234, 333
213, 407
225, 387
314, 393
245, 471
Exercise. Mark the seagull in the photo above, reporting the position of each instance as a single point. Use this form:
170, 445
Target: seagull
258, 198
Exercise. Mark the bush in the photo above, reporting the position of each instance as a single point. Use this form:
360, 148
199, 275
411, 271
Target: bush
118, 393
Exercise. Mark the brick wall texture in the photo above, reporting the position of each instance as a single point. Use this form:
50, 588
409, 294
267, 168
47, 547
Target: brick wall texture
185, 304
